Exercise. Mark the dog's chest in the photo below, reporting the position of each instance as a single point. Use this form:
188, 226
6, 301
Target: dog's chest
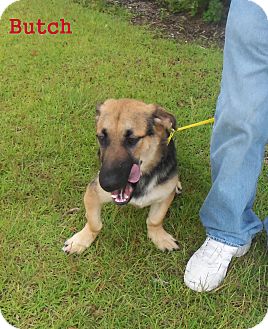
151, 194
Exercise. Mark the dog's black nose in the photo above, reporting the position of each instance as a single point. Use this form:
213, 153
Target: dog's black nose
114, 177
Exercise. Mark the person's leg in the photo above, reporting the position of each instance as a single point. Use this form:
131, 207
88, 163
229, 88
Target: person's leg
240, 132
238, 141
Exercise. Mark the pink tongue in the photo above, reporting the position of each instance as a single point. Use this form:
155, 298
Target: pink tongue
135, 174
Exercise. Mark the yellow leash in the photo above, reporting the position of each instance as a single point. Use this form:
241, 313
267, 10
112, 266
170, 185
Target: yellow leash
201, 123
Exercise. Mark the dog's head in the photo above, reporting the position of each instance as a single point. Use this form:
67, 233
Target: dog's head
132, 136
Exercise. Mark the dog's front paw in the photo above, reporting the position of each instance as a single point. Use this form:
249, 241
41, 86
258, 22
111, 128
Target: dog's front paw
79, 242
162, 239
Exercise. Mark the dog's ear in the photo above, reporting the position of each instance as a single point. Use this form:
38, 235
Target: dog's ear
163, 118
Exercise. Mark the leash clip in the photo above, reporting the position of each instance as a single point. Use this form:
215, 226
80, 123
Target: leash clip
201, 123
171, 134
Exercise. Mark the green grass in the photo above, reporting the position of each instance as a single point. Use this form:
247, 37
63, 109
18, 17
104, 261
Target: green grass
49, 87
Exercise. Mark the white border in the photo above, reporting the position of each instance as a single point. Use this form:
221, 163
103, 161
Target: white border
4, 324
4, 4
263, 4
263, 324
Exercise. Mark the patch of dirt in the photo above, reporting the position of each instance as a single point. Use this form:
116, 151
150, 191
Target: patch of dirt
178, 26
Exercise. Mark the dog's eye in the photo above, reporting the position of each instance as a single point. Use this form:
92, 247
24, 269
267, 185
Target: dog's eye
131, 141
102, 140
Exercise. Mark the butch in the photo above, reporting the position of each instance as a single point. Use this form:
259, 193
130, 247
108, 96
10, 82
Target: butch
17, 27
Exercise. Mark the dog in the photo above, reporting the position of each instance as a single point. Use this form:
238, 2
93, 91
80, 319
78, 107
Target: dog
138, 167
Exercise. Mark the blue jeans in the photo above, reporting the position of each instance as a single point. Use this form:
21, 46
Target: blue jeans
240, 132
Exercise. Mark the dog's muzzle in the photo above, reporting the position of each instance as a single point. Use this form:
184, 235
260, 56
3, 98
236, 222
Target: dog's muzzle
120, 181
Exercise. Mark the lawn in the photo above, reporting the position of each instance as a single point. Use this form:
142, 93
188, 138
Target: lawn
49, 87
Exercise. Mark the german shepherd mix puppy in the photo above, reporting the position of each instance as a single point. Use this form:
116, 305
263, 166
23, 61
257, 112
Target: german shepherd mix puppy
137, 167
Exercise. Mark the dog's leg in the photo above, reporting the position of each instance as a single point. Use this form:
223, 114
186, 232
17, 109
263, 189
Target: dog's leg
94, 197
156, 232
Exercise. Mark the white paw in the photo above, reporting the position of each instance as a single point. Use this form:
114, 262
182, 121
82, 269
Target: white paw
163, 240
79, 242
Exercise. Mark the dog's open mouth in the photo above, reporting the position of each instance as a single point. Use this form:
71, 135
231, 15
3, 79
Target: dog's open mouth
123, 195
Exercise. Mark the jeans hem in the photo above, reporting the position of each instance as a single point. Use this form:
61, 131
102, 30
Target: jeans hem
224, 241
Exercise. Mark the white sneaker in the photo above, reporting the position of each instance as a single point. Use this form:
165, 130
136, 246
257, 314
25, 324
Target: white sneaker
207, 268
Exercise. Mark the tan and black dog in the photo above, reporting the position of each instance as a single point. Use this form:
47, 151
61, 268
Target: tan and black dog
137, 167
